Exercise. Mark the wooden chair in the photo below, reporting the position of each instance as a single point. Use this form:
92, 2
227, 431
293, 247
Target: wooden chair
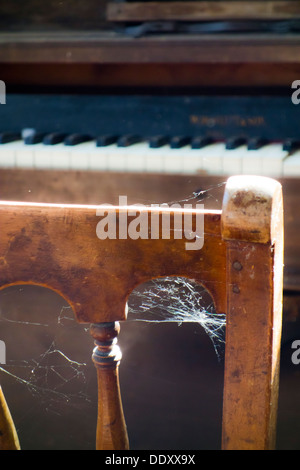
240, 264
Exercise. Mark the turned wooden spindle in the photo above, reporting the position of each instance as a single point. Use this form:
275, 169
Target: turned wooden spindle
111, 426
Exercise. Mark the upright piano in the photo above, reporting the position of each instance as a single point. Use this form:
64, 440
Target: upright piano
160, 101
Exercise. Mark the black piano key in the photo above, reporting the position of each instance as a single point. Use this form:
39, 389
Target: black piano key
127, 140
34, 138
76, 139
54, 138
200, 142
290, 145
256, 143
7, 137
178, 142
105, 140
235, 142
158, 141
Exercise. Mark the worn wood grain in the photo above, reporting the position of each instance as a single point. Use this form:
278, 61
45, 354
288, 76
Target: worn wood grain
112, 48
54, 14
56, 246
252, 225
204, 10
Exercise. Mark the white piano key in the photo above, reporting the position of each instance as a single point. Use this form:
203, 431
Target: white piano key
115, 157
213, 159
233, 160
252, 162
135, 157
155, 159
61, 157
8, 153
98, 159
25, 156
42, 156
273, 157
291, 165
192, 161
80, 155
173, 159
7, 160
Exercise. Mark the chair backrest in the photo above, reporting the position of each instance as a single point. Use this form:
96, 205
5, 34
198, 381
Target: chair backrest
94, 256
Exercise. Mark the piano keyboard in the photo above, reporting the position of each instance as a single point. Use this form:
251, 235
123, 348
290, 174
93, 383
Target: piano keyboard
157, 155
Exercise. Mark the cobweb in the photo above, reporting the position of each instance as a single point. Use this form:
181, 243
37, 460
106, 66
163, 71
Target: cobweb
178, 300
52, 376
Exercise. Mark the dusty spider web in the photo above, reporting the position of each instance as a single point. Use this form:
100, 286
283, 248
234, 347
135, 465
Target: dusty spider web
49, 375
178, 300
